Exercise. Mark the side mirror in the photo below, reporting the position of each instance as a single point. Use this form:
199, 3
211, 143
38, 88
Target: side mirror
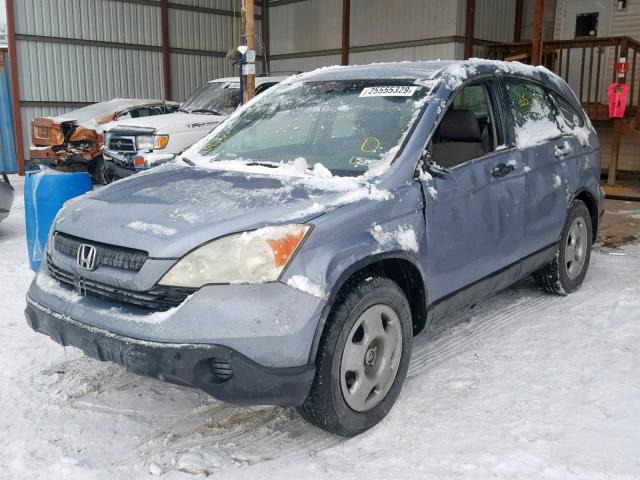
427, 164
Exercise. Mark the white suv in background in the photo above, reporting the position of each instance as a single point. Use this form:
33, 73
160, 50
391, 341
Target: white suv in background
137, 144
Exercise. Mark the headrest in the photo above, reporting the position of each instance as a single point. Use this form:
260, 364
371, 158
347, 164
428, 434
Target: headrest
460, 125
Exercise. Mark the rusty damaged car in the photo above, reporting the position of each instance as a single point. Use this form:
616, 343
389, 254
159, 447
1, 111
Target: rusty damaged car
73, 141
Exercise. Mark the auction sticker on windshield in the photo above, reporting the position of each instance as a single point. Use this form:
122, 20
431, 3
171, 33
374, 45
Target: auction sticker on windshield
389, 91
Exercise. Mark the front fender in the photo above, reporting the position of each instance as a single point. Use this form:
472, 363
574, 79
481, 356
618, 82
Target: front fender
351, 238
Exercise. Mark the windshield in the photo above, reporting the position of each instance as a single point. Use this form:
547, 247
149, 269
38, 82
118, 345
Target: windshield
347, 126
213, 98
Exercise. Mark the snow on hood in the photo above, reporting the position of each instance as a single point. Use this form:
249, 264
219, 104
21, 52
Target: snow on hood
171, 121
172, 209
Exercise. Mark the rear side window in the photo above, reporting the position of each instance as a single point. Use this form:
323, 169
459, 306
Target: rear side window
533, 113
568, 113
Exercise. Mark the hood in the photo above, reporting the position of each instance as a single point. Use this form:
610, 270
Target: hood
175, 121
170, 210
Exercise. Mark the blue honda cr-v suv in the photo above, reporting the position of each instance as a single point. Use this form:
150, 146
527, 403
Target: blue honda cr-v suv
289, 257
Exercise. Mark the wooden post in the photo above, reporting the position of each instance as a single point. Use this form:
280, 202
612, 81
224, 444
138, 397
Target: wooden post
15, 87
536, 41
617, 123
615, 151
346, 23
249, 29
166, 59
468, 32
517, 29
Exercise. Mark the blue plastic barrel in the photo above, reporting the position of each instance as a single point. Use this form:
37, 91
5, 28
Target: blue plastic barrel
45, 191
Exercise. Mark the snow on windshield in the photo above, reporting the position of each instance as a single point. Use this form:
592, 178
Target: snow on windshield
347, 127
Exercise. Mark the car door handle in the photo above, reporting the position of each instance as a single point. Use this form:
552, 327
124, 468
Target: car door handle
502, 169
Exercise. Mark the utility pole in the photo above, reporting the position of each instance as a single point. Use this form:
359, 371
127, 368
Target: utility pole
249, 79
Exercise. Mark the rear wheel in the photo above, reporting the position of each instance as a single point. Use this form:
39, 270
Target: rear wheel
566, 272
362, 359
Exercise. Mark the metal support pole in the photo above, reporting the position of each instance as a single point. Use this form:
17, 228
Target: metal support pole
346, 24
517, 30
265, 36
15, 87
469, 27
249, 29
166, 58
536, 41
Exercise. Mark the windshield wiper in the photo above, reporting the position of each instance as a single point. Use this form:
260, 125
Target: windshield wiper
262, 164
182, 110
188, 162
206, 110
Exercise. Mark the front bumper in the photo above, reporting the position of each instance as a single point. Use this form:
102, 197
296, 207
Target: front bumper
42, 154
122, 164
218, 370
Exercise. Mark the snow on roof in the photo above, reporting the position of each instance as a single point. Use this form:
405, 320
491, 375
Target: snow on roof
456, 70
96, 110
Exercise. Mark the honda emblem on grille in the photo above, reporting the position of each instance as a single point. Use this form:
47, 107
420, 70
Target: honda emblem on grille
86, 258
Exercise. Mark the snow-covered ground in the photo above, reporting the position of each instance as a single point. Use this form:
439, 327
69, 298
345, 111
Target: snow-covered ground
521, 386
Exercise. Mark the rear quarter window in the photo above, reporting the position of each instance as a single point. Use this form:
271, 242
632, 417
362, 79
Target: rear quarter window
568, 112
533, 113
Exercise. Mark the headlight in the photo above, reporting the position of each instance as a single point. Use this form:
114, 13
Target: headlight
145, 142
250, 257
160, 142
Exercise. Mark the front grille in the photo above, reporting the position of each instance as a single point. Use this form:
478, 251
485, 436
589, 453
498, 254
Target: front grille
106, 255
122, 144
158, 298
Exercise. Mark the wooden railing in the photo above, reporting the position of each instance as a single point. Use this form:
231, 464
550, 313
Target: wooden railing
588, 66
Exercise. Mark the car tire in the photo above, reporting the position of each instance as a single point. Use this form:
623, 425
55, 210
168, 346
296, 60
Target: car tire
371, 319
566, 272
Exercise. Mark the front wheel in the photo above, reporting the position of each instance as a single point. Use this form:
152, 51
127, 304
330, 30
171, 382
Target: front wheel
362, 359
566, 272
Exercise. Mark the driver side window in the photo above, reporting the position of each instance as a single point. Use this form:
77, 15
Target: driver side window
467, 130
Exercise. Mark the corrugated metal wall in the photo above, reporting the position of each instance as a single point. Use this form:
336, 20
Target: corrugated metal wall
307, 34
199, 41
494, 20
73, 52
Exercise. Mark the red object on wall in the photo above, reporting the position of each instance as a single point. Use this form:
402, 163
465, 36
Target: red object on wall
622, 67
617, 93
